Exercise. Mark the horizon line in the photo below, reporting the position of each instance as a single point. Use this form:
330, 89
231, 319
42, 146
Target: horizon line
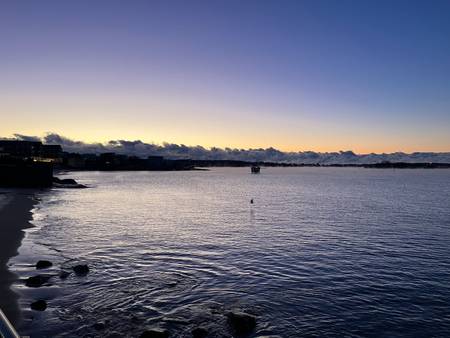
119, 142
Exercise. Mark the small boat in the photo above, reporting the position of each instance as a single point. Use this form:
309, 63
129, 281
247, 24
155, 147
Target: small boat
255, 169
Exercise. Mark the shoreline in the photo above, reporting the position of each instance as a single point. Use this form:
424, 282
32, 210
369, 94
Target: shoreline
15, 217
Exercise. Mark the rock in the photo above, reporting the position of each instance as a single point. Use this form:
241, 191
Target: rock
99, 326
81, 270
64, 181
155, 333
199, 332
241, 323
64, 274
43, 264
39, 305
36, 281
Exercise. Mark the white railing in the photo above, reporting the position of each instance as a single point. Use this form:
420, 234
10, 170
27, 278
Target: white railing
6, 329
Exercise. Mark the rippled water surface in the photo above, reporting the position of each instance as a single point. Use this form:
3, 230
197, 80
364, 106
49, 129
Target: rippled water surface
322, 252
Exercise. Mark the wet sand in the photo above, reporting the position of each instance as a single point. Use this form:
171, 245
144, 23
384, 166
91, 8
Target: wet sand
15, 214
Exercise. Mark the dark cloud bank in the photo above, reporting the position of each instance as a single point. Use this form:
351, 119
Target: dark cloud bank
175, 151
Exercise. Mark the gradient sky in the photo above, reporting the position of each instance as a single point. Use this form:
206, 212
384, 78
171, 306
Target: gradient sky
370, 76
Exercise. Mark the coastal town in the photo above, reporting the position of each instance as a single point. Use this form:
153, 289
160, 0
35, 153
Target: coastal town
32, 163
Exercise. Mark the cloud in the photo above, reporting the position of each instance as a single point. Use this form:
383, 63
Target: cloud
181, 151
27, 138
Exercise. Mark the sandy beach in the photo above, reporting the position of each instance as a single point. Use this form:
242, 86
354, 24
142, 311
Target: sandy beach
15, 214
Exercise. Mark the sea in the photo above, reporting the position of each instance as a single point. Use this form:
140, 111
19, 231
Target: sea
321, 252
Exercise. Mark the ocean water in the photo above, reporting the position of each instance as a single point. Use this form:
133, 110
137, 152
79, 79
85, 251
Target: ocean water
322, 252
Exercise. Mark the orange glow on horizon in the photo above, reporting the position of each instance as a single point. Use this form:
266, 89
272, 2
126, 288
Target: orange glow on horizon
223, 141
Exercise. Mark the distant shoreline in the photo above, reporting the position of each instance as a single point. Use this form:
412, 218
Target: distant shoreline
206, 164
15, 216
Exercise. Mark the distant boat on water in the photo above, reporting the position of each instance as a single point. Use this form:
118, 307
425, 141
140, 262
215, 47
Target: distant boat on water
255, 169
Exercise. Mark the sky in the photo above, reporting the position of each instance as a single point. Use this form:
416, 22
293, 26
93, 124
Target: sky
366, 76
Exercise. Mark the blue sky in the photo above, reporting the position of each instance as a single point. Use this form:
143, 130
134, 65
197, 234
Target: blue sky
296, 75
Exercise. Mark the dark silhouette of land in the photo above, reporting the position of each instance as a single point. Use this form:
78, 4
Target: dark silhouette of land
31, 163
404, 165
17, 172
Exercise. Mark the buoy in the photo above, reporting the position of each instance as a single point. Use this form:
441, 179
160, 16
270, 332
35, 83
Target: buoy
251, 201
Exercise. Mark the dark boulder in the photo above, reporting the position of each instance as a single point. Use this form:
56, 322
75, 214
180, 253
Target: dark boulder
99, 326
39, 305
241, 323
155, 333
199, 332
64, 181
43, 264
81, 269
36, 281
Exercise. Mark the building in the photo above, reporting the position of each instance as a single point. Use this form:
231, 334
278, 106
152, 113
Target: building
20, 148
50, 151
30, 149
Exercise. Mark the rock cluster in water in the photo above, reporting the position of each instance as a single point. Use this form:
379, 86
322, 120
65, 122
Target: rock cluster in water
240, 324
39, 280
